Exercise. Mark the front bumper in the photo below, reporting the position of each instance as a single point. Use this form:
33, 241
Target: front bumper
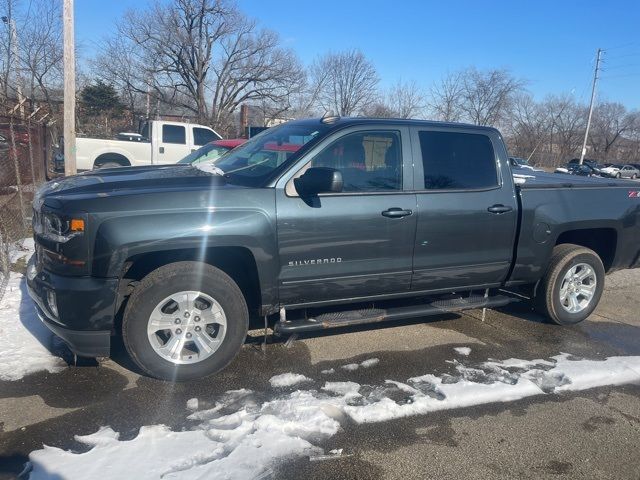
85, 308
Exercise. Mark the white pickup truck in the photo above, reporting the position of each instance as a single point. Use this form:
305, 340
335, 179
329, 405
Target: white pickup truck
157, 142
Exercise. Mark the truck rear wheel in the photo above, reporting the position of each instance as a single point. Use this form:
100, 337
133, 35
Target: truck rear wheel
572, 286
185, 320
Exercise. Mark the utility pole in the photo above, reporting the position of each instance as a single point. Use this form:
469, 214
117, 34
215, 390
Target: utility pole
69, 55
593, 96
14, 47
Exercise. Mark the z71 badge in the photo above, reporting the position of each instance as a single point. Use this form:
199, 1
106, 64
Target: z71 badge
634, 193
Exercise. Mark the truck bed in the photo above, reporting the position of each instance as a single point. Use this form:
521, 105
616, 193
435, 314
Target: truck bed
554, 206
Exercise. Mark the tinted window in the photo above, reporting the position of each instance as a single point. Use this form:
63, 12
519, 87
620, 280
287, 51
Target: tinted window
457, 161
202, 136
173, 134
369, 161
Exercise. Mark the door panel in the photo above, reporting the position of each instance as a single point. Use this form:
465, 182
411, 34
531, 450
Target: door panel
343, 246
173, 143
354, 244
464, 237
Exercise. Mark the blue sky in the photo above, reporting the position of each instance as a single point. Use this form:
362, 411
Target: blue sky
551, 44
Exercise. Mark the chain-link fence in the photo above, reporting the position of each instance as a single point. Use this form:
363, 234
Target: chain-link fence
25, 147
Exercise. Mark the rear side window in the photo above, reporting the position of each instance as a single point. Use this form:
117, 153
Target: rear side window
460, 161
173, 134
202, 136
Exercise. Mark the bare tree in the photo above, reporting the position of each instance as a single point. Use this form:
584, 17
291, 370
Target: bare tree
252, 66
487, 96
379, 110
445, 98
41, 49
610, 122
567, 121
119, 64
345, 81
178, 40
406, 100
528, 127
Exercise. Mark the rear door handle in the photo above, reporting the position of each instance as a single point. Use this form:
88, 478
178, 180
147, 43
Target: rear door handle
161, 149
396, 212
499, 208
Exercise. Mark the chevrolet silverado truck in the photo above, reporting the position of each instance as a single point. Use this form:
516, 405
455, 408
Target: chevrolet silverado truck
366, 220
157, 142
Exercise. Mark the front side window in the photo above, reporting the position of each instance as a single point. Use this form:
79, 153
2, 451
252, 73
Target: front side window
173, 134
369, 161
458, 161
202, 136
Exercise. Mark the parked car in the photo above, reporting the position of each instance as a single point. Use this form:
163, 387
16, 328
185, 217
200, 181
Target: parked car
365, 220
157, 142
522, 164
583, 170
621, 171
629, 171
212, 150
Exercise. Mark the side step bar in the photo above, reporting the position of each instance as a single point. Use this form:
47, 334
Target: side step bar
374, 315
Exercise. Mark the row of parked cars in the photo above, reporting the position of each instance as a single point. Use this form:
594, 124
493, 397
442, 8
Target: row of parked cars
591, 168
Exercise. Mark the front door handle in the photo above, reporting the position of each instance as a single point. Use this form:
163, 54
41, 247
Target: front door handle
499, 208
396, 212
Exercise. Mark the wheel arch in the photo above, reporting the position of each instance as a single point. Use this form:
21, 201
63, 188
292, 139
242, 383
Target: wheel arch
237, 262
601, 240
115, 157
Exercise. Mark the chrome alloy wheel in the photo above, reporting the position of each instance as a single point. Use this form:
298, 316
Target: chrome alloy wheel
187, 327
578, 288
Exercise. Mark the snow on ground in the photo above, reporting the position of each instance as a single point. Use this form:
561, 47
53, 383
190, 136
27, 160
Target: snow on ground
462, 351
242, 437
350, 367
287, 380
25, 343
21, 249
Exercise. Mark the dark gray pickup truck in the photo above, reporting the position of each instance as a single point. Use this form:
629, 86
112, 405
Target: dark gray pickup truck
316, 224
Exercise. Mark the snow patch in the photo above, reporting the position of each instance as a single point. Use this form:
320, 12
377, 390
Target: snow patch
371, 362
21, 249
350, 367
242, 437
25, 343
287, 380
462, 351
328, 371
192, 404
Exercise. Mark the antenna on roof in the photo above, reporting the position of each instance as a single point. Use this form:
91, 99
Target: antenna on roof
329, 117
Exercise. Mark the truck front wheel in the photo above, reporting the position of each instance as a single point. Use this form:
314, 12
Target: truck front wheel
185, 320
572, 286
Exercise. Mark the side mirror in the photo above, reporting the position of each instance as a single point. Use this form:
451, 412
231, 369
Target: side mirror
319, 180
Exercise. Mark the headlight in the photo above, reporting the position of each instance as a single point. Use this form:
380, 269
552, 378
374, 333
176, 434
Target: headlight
61, 229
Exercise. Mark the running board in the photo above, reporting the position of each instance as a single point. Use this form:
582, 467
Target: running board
373, 315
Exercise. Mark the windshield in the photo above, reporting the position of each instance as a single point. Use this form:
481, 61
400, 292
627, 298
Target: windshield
253, 162
204, 153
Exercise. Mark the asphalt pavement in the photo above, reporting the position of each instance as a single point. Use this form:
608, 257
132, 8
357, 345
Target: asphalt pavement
588, 434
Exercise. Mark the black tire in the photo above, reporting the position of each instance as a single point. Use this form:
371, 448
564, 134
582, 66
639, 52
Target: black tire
634, 176
618, 175
547, 298
109, 165
165, 281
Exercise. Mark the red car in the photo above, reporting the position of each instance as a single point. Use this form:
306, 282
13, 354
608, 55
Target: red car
212, 150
